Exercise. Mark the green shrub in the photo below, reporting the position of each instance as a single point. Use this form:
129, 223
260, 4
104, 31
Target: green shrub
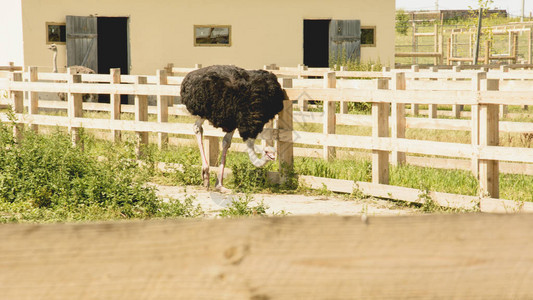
241, 208
45, 178
189, 172
183, 208
246, 177
402, 22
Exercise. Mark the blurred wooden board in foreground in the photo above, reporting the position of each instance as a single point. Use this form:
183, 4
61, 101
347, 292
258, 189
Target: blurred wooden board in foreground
470, 256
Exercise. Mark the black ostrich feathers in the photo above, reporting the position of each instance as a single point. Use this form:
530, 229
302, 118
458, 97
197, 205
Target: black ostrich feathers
230, 97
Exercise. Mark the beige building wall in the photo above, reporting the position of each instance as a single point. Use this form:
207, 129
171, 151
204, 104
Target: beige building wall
11, 33
161, 31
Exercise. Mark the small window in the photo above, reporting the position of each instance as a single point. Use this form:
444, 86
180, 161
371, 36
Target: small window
56, 33
212, 35
368, 36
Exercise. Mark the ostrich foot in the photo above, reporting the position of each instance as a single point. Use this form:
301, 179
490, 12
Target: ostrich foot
205, 177
222, 189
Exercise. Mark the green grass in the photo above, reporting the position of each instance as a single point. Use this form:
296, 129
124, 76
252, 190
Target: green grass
352, 169
243, 208
439, 180
43, 178
516, 187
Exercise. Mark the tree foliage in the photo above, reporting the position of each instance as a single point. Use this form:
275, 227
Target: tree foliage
402, 22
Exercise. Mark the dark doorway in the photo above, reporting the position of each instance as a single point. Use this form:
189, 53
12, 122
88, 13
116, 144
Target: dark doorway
113, 48
316, 43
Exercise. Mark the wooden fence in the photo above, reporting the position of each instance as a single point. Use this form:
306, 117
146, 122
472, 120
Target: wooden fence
464, 256
463, 40
388, 98
11, 67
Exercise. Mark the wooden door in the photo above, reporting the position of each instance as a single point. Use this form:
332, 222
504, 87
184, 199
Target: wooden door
82, 42
345, 40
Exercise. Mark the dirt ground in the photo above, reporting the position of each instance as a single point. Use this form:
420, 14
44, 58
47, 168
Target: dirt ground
212, 202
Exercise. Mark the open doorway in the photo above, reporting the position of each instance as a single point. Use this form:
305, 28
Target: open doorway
112, 44
331, 41
316, 43
113, 48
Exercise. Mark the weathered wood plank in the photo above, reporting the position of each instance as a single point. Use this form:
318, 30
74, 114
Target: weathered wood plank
398, 120
33, 101
115, 104
380, 128
162, 109
439, 256
329, 122
93, 88
75, 106
386, 96
141, 116
417, 196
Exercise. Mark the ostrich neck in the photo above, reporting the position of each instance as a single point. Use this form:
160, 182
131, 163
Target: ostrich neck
54, 62
256, 161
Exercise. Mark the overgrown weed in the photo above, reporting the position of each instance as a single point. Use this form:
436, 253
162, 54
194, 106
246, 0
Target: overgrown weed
242, 208
43, 178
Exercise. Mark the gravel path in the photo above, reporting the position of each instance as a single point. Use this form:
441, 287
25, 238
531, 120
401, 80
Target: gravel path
212, 202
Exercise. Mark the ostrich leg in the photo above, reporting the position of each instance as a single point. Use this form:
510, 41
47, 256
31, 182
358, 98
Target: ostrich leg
226, 143
199, 131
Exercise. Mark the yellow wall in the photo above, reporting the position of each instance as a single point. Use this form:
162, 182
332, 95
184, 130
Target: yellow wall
161, 31
11, 33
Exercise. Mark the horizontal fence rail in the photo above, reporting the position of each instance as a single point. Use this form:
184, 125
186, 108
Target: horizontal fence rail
387, 93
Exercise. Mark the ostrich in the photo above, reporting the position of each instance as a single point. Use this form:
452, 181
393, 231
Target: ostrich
232, 98
77, 70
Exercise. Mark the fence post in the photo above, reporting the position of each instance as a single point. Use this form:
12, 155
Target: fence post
168, 69
432, 108
449, 52
268, 142
270, 124
75, 105
487, 52
303, 104
285, 129
33, 106
456, 108
530, 46
503, 107
18, 105
301, 69
414, 41
162, 109
115, 103
436, 46
398, 117
141, 115
476, 87
380, 128
271, 67
514, 52
343, 103
489, 136
414, 107
329, 115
